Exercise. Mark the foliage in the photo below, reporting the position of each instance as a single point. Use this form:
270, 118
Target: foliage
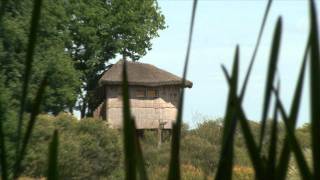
102, 29
50, 57
90, 149
37, 60
75, 40
84, 148
88, 144
243, 173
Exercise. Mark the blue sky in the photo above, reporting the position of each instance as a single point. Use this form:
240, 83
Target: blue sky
219, 27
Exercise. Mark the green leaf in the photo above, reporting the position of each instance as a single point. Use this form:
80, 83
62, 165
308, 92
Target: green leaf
28, 65
225, 73
3, 151
250, 143
53, 173
248, 137
270, 78
232, 94
230, 122
285, 153
271, 164
315, 88
3, 154
140, 160
128, 130
294, 145
31, 123
2, 9
246, 79
174, 167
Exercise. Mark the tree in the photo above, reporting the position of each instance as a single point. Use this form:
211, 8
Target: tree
50, 55
102, 29
75, 41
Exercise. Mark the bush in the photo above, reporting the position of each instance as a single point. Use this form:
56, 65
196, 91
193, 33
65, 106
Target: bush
87, 148
243, 173
199, 153
189, 172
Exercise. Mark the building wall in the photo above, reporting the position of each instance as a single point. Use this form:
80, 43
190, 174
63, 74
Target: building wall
147, 112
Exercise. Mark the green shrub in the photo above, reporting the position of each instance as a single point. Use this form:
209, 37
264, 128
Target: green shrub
88, 148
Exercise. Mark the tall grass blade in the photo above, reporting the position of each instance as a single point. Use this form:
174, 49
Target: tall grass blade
53, 173
230, 122
174, 167
270, 78
128, 130
3, 8
285, 153
3, 111
294, 145
250, 143
271, 164
248, 137
28, 65
232, 93
34, 112
140, 160
3, 152
246, 79
315, 89
225, 73
254, 156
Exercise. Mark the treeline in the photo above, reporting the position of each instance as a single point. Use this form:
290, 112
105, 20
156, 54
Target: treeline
75, 40
89, 149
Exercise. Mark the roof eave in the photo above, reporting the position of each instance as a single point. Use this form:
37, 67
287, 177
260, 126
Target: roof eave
187, 84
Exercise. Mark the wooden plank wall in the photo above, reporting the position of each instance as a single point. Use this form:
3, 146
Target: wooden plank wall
147, 112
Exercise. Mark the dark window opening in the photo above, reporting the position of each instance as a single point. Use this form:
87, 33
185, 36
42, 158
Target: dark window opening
140, 93
152, 93
146, 93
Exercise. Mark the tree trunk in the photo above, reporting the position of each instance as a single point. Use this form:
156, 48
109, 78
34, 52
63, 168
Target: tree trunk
83, 108
71, 110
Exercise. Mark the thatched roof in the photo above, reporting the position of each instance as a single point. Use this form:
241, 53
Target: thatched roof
141, 74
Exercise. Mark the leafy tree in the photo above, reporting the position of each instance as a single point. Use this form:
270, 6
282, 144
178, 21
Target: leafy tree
50, 57
102, 29
75, 41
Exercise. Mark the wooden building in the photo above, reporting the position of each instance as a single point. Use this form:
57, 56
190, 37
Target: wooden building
154, 95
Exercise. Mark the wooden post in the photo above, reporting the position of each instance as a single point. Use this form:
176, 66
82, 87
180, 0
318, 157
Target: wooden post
159, 135
160, 128
105, 108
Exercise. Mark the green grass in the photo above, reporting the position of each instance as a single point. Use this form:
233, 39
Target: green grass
271, 167
53, 157
266, 165
226, 158
174, 166
285, 152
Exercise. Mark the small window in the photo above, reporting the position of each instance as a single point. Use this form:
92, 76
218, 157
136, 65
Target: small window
152, 93
140, 93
